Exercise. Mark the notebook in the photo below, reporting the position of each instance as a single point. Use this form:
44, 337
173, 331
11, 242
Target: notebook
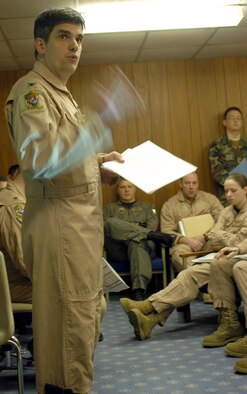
196, 225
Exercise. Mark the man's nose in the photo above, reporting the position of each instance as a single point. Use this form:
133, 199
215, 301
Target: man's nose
74, 45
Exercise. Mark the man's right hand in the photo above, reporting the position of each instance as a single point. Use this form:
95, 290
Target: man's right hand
194, 243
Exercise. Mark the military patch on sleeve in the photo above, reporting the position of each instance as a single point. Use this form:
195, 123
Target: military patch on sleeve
33, 100
18, 210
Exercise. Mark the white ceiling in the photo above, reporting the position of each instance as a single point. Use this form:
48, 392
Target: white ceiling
16, 43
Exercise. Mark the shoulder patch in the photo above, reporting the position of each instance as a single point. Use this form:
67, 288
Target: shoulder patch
32, 100
18, 210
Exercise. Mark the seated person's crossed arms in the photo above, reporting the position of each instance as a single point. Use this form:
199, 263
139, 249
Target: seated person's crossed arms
189, 201
229, 231
131, 233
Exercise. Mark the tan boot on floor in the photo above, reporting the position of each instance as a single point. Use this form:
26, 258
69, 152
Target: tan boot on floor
238, 348
241, 365
229, 330
142, 324
207, 299
144, 306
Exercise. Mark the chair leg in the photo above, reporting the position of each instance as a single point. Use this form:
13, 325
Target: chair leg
16, 344
184, 315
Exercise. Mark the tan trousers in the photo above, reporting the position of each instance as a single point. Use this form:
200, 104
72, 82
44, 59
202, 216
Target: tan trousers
21, 291
182, 289
179, 262
223, 276
62, 245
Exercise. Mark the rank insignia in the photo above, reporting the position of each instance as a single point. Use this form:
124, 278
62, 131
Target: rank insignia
33, 100
121, 210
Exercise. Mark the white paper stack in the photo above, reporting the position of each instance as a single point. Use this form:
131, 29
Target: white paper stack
150, 167
112, 282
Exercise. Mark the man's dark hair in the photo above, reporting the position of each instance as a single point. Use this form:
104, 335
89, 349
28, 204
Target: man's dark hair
13, 171
48, 19
231, 109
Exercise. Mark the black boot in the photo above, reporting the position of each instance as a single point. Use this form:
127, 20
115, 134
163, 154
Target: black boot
138, 294
52, 389
163, 238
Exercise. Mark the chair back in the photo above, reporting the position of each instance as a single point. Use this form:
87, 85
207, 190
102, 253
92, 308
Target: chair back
7, 325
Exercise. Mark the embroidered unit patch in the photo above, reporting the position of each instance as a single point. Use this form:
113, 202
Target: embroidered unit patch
33, 100
18, 210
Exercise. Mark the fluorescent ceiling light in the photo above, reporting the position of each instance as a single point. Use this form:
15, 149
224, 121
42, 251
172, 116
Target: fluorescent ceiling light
142, 15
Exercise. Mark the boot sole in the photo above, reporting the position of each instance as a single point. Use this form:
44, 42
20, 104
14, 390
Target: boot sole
134, 321
235, 354
219, 344
239, 369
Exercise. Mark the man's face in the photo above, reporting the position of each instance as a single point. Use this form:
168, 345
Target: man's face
61, 53
126, 191
189, 186
233, 121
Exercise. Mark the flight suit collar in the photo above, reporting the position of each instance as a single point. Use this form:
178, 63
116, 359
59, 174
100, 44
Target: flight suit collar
244, 209
181, 197
45, 73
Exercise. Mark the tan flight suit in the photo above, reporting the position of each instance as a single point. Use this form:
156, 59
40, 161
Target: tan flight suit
62, 230
177, 208
225, 273
126, 228
12, 203
230, 230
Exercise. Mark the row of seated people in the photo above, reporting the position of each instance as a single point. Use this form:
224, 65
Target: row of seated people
224, 155
228, 237
131, 228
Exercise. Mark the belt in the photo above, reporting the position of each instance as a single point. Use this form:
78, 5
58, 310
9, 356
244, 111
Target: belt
43, 191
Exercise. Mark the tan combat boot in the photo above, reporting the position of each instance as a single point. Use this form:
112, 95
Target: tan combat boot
241, 365
229, 329
144, 306
144, 324
238, 348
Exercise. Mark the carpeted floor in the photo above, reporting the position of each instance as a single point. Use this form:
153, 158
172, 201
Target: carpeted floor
172, 361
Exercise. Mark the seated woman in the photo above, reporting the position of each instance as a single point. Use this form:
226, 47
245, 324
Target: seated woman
229, 231
225, 273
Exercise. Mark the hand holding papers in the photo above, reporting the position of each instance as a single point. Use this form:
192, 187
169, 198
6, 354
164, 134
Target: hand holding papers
150, 167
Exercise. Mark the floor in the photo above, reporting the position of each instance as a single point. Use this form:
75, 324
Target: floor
172, 361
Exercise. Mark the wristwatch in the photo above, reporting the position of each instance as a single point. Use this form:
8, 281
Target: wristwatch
205, 237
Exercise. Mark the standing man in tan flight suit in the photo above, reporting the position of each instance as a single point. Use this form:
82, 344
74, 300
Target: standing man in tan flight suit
57, 150
12, 204
189, 201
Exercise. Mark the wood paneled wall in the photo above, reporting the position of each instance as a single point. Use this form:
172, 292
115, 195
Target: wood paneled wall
185, 101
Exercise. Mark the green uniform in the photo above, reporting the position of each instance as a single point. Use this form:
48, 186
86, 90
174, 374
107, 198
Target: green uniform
126, 229
224, 156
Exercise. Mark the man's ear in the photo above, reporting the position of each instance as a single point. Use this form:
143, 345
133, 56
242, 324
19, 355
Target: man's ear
224, 122
39, 45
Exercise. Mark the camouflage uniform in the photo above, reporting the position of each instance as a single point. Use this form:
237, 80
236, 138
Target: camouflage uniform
126, 229
223, 158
